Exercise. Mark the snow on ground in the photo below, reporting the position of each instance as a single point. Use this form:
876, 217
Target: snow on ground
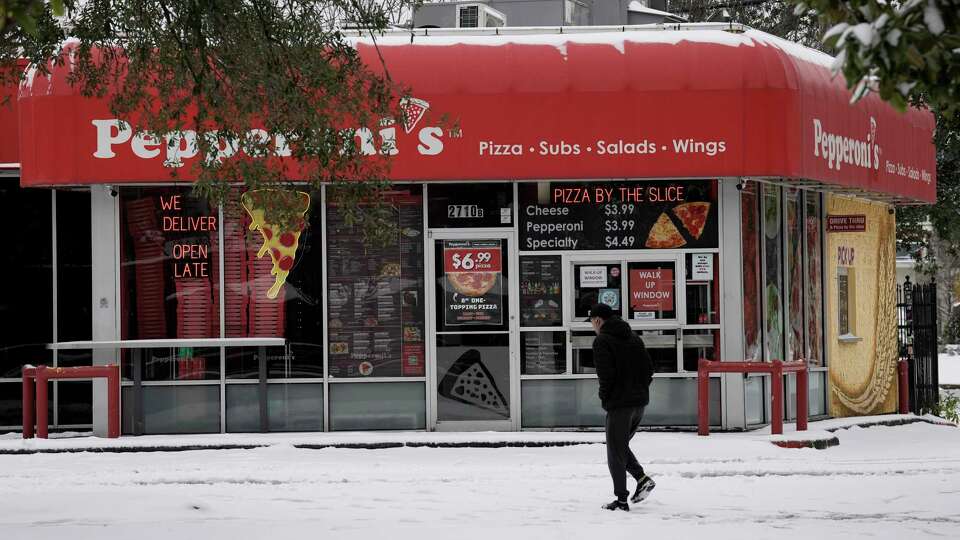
881, 482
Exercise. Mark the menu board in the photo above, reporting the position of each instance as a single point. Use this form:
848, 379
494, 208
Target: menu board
543, 353
473, 284
375, 303
540, 294
618, 215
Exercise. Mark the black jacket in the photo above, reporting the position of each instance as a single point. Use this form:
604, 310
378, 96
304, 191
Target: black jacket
623, 366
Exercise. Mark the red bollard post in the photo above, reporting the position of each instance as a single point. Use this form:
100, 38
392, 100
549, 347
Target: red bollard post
703, 398
903, 370
42, 418
27, 375
113, 402
803, 390
776, 388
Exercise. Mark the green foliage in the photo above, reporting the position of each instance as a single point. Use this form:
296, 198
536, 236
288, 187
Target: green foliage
24, 14
219, 69
775, 17
905, 51
951, 333
947, 407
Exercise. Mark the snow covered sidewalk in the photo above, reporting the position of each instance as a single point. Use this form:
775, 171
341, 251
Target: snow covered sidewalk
880, 482
13, 443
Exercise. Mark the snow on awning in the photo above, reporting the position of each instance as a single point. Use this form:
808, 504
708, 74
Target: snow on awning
574, 103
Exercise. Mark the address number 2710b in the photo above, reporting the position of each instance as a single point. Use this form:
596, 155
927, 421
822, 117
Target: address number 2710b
462, 211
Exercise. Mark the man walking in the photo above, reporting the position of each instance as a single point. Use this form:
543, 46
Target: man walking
625, 371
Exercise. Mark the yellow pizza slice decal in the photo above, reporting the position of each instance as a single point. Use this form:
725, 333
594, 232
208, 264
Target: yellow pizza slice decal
281, 243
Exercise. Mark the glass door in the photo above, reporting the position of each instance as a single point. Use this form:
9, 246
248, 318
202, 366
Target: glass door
473, 386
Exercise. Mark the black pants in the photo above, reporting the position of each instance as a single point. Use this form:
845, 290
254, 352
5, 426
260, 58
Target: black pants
621, 425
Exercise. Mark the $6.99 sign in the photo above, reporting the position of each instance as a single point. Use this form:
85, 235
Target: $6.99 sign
471, 259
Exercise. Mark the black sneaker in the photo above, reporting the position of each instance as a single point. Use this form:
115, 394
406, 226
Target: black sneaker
617, 505
644, 486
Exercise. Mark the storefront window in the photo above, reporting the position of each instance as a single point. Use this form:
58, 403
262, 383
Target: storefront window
454, 206
473, 377
74, 281
175, 364
376, 295
814, 280
749, 242
651, 290
25, 306
169, 265
794, 246
595, 284
703, 295
662, 346
699, 345
772, 273
273, 286
540, 291
543, 353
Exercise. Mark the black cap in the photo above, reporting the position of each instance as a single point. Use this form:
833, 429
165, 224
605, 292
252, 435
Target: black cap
600, 310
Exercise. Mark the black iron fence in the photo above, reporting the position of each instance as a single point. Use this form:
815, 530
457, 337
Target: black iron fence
917, 336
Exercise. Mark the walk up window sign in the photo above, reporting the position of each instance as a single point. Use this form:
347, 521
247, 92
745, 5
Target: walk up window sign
618, 215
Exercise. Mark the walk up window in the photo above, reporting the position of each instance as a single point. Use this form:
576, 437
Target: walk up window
846, 294
647, 249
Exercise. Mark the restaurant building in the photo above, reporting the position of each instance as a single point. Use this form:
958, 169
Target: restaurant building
712, 183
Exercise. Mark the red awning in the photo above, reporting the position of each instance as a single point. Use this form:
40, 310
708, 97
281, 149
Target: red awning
594, 104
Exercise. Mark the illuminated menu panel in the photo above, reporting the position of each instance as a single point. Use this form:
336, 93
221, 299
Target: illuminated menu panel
375, 306
618, 215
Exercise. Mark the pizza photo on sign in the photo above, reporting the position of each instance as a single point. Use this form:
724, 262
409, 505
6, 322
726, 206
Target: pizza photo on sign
664, 234
693, 215
472, 283
413, 110
469, 381
279, 241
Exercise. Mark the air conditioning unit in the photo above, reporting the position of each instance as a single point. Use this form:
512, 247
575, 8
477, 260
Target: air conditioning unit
479, 16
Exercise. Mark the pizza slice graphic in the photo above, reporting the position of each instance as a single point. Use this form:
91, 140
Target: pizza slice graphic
693, 215
413, 110
472, 283
469, 381
281, 243
664, 234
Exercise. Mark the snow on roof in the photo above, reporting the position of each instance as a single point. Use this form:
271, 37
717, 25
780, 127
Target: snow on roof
729, 34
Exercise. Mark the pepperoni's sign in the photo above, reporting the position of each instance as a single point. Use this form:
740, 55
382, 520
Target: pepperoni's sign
837, 149
177, 146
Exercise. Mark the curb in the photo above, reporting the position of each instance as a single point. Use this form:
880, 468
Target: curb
128, 449
816, 444
829, 442
476, 444
303, 446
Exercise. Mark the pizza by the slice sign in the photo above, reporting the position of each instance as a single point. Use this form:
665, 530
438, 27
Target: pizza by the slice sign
413, 110
693, 215
469, 381
664, 234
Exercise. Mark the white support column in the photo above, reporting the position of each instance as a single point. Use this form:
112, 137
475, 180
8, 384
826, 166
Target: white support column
731, 304
104, 262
